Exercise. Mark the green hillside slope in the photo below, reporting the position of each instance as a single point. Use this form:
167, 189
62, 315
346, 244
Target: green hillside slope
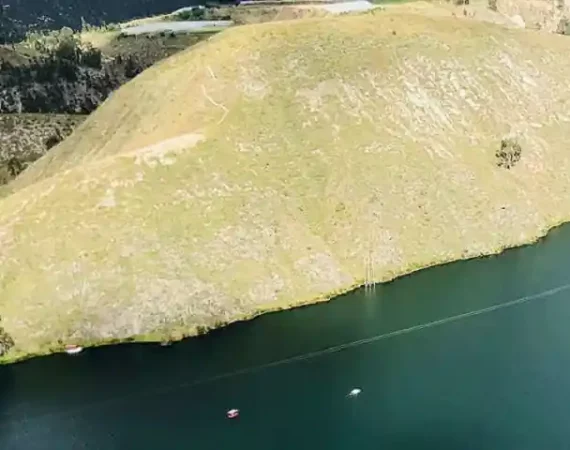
279, 164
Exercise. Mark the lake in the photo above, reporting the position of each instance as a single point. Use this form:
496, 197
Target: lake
482, 363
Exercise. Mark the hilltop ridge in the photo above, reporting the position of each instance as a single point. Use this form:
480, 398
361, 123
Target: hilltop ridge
280, 164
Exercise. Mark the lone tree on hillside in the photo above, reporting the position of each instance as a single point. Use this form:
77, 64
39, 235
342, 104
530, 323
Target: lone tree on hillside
6, 341
563, 26
509, 154
15, 166
53, 140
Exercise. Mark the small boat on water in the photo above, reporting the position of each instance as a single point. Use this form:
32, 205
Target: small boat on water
165, 343
355, 392
73, 349
232, 413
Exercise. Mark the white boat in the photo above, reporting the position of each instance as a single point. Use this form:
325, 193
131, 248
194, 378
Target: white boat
232, 413
355, 392
73, 349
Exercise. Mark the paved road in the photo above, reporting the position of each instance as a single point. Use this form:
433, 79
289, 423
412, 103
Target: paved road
176, 27
344, 7
190, 26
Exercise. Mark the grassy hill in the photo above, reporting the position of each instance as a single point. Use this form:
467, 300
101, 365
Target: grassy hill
42, 74
279, 164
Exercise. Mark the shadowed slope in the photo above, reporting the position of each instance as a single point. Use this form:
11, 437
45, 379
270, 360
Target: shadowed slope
279, 164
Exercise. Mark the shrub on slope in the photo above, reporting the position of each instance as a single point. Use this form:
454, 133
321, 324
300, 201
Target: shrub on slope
26, 137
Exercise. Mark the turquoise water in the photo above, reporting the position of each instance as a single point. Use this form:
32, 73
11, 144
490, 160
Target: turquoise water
497, 379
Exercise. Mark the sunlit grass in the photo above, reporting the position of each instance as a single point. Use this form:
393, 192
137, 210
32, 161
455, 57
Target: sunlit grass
328, 152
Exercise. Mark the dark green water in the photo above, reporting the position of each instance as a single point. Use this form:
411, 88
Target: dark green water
497, 380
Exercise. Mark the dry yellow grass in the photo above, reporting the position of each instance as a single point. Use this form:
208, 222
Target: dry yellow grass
100, 39
538, 14
278, 164
261, 14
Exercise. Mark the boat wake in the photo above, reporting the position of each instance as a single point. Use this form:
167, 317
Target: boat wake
302, 357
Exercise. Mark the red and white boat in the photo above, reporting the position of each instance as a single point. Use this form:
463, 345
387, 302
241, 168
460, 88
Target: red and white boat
232, 413
73, 349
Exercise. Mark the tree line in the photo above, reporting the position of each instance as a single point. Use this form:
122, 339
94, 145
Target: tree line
67, 76
19, 17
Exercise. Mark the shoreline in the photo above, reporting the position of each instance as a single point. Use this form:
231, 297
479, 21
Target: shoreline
179, 335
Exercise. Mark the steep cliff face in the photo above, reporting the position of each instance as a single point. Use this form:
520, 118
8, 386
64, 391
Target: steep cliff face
280, 164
